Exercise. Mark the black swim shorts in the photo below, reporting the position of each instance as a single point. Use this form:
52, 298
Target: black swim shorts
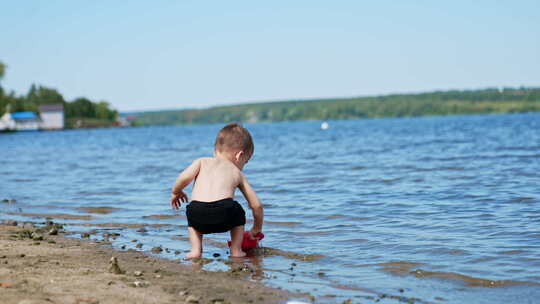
213, 217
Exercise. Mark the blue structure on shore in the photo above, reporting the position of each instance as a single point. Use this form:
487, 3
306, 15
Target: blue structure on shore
21, 116
21, 121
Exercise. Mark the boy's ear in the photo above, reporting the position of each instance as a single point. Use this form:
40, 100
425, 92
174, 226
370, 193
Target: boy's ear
238, 155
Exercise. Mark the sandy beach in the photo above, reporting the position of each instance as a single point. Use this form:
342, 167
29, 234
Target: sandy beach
37, 265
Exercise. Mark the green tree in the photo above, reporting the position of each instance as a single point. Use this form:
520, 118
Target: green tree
37, 96
49, 96
2, 70
80, 107
104, 112
2, 73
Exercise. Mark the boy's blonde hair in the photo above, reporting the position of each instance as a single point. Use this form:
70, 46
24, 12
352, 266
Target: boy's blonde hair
234, 136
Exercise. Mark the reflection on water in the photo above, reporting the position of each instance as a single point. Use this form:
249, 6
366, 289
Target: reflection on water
438, 209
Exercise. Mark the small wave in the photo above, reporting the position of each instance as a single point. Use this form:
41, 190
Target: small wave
152, 168
99, 210
307, 180
283, 223
443, 168
512, 252
122, 225
483, 259
324, 232
357, 168
267, 251
356, 241
398, 267
447, 159
468, 280
359, 218
526, 156
523, 199
91, 193
445, 251
24, 180
441, 142
335, 216
54, 215
91, 167
386, 181
391, 181
185, 238
405, 268
163, 216
533, 148
173, 149
483, 199
277, 191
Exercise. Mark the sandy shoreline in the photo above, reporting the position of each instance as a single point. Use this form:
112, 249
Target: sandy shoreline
36, 267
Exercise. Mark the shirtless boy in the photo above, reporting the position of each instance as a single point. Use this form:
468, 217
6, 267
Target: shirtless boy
212, 208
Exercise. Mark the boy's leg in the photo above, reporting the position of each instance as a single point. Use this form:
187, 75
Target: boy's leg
237, 236
195, 237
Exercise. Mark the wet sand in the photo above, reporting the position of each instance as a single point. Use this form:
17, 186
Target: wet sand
36, 267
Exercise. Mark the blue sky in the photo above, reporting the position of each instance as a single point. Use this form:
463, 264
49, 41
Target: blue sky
141, 55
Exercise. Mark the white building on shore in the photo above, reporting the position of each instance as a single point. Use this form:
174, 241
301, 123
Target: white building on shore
52, 116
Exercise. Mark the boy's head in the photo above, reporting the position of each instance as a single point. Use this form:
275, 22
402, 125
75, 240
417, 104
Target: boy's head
233, 138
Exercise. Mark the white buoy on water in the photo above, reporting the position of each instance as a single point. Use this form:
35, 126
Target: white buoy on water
324, 125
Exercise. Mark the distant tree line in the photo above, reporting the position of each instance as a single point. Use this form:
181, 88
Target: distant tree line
490, 100
80, 112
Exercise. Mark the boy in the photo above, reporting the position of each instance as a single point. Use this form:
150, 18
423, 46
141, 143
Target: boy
212, 208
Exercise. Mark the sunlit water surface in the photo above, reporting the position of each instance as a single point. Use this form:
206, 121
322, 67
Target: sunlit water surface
440, 209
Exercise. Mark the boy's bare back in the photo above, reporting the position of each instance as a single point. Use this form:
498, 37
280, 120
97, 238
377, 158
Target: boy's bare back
217, 179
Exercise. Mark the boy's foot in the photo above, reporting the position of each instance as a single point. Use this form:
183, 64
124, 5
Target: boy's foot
193, 255
238, 254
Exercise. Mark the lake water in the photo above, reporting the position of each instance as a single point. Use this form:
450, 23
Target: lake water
440, 209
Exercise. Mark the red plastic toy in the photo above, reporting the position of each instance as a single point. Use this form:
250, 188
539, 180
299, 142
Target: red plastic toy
248, 243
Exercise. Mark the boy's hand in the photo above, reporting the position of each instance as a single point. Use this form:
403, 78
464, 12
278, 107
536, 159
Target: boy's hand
253, 234
177, 199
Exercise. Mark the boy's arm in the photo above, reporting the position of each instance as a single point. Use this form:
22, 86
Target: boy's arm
254, 203
182, 181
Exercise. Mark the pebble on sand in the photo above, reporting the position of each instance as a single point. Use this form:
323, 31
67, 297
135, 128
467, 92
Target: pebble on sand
141, 284
114, 267
192, 299
37, 236
157, 249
